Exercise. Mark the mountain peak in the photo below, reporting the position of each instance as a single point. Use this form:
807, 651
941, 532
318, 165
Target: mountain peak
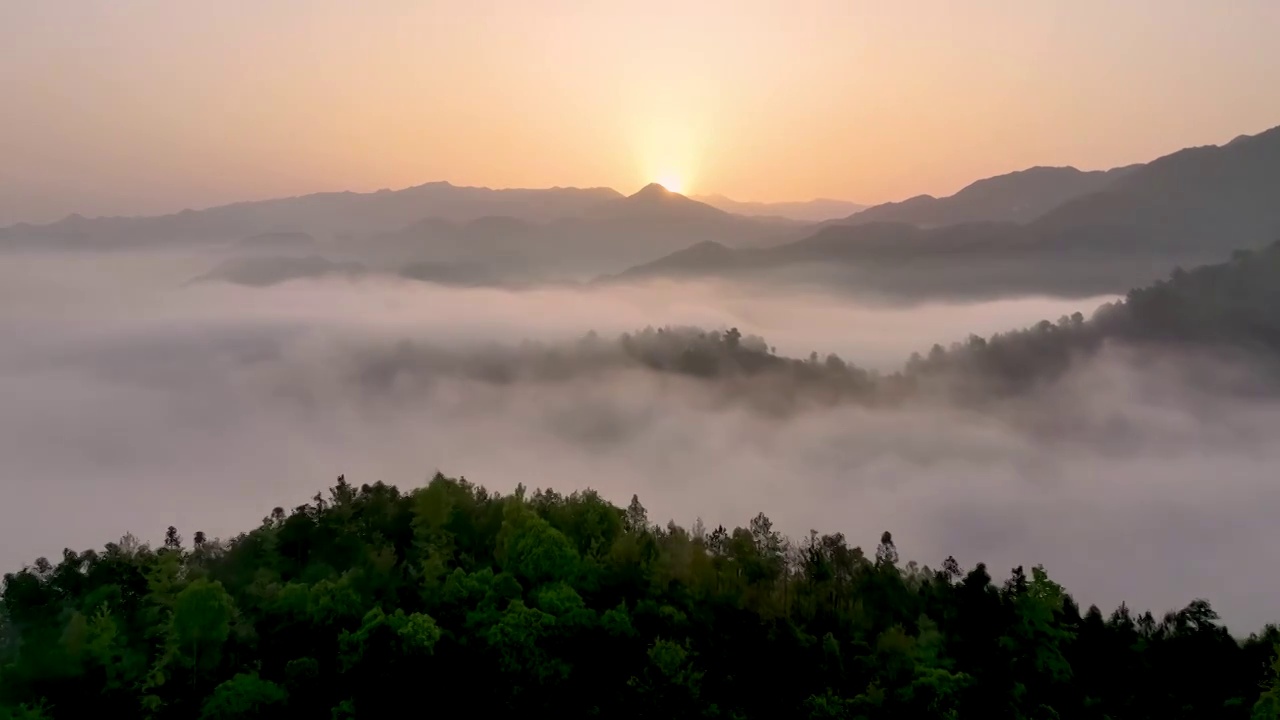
654, 190
655, 201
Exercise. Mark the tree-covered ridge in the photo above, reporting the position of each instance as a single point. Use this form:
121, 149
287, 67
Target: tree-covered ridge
372, 601
1231, 306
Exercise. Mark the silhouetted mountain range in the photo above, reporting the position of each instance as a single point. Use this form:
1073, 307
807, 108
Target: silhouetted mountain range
1041, 230
321, 214
1020, 197
816, 210
1190, 207
611, 235
653, 202
437, 230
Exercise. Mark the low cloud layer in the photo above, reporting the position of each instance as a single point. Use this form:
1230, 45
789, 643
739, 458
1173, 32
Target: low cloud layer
132, 402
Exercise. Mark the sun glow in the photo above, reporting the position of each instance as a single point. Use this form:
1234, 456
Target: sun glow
666, 150
671, 182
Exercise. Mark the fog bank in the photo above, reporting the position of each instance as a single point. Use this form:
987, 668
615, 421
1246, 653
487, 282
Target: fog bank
133, 402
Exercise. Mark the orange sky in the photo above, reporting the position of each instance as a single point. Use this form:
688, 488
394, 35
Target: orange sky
133, 106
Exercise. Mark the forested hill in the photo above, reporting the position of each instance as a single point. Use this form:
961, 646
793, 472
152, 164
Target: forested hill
1231, 307
371, 602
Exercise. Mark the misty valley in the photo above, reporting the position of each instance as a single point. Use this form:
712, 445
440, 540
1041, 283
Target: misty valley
1008, 453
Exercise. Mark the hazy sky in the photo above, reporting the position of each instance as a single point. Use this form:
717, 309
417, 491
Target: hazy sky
133, 106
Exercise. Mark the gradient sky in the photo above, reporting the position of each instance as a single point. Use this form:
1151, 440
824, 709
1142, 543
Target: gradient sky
143, 106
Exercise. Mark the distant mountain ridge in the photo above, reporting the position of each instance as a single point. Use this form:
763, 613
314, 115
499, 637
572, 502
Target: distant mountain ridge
816, 210
430, 219
1192, 206
501, 250
1040, 230
609, 236
319, 214
1019, 197
655, 201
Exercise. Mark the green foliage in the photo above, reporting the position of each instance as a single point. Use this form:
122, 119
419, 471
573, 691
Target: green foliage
400, 633
24, 712
352, 606
244, 697
531, 549
201, 621
1268, 705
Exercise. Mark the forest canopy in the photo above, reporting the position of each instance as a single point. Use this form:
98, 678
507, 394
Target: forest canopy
370, 600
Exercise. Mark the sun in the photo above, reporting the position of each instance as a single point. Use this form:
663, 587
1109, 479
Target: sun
671, 182
667, 148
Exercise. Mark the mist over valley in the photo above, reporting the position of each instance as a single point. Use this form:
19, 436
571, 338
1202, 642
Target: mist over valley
715, 361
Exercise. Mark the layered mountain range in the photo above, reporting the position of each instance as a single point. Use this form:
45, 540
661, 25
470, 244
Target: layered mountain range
1050, 230
1044, 230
